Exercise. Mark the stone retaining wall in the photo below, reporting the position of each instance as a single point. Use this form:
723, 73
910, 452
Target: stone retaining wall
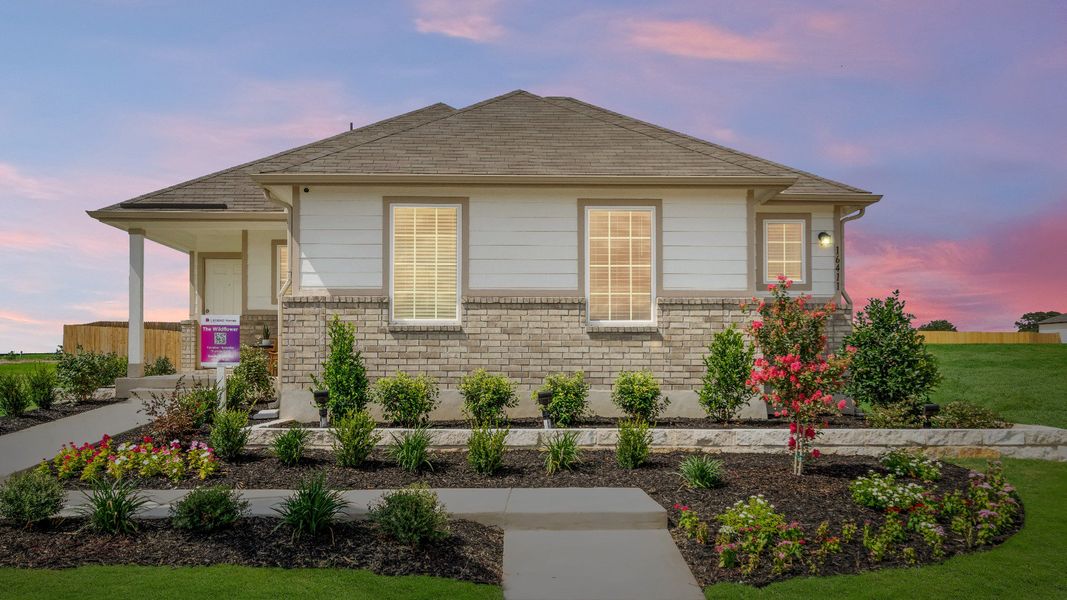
1021, 441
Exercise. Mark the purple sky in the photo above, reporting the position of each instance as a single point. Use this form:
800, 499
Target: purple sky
953, 110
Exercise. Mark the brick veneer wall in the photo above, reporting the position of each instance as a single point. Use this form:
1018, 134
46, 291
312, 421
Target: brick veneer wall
524, 338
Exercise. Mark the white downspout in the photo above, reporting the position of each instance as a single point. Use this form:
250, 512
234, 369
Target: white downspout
841, 275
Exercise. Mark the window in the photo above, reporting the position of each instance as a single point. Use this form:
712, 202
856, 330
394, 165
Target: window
619, 250
425, 266
783, 247
280, 268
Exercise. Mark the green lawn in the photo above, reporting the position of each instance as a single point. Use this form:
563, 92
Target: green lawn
24, 368
109, 583
1025, 383
1029, 565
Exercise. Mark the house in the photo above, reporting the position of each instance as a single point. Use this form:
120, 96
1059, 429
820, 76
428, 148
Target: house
523, 234
1057, 324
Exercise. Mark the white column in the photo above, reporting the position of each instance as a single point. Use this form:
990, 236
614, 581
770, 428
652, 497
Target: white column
135, 344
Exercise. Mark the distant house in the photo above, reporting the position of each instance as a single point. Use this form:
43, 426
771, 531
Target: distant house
522, 234
1057, 324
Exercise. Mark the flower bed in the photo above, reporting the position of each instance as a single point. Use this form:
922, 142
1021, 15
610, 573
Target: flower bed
144, 458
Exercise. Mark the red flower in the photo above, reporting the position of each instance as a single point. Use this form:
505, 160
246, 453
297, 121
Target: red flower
815, 453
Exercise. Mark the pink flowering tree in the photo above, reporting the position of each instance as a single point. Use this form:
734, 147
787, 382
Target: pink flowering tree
795, 376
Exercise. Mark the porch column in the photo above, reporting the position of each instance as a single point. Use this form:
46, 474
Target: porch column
135, 343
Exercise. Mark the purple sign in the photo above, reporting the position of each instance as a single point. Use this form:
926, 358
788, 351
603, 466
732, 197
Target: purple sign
220, 340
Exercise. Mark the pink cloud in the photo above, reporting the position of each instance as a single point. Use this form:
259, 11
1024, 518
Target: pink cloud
17, 317
470, 19
17, 183
693, 39
980, 283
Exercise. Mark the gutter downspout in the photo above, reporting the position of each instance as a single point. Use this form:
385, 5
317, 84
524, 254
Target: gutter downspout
845, 219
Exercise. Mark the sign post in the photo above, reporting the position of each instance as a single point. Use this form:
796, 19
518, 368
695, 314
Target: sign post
220, 347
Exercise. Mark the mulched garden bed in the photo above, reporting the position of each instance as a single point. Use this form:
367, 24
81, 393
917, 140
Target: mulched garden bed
38, 416
473, 552
835, 422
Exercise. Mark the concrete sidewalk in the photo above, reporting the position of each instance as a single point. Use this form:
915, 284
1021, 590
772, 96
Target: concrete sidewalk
24, 449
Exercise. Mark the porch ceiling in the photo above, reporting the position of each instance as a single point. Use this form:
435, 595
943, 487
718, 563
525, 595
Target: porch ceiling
190, 235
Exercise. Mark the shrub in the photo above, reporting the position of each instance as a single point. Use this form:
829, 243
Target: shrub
354, 437
909, 462
570, 395
110, 507
406, 401
207, 509
411, 516
891, 365
902, 415
201, 401
250, 382
179, 412
409, 450
343, 373
964, 415
289, 447
14, 401
486, 396
229, 433
562, 452
632, 449
313, 508
41, 387
31, 497
884, 491
485, 449
80, 373
160, 366
727, 367
702, 472
637, 394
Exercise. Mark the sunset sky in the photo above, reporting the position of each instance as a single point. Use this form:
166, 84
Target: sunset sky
955, 111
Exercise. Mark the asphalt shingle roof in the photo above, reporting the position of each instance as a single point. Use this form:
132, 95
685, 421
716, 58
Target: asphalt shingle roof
1057, 319
517, 133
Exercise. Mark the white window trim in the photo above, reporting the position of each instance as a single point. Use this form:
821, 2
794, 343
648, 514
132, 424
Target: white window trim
588, 287
392, 262
767, 277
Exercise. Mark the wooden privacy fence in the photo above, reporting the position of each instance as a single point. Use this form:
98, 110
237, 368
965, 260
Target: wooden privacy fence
989, 337
160, 339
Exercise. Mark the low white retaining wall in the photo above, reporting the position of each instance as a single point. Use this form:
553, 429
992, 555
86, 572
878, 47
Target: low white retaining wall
1021, 441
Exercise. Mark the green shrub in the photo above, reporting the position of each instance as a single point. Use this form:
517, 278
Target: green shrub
964, 415
313, 508
14, 401
485, 449
570, 395
411, 516
702, 472
180, 412
410, 450
229, 433
160, 366
250, 383
406, 401
728, 366
343, 373
289, 447
207, 509
486, 396
637, 394
41, 387
81, 373
30, 498
110, 507
201, 401
354, 437
562, 452
902, 415
891, 366
911, 462
632, 449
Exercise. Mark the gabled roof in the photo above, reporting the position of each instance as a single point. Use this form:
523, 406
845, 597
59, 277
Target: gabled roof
515, 134
1057, 319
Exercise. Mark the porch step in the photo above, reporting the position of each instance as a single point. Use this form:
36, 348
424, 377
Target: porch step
270, 414
124, 386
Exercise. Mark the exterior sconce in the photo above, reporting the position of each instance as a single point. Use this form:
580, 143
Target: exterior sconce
825, 240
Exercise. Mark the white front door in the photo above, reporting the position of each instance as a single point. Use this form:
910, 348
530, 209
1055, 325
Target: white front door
222, 280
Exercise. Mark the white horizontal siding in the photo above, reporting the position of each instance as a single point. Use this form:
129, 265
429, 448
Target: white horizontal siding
705, 244
517, 242
340, 239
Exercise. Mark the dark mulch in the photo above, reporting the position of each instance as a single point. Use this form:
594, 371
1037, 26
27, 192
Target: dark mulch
473, 552
835, 422
58, 411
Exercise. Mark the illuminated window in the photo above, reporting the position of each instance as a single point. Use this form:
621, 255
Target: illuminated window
281, 269
620, 264
425, 263
783, 244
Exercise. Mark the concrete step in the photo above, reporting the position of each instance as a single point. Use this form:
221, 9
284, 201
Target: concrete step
125, 385
267, 414
615, 564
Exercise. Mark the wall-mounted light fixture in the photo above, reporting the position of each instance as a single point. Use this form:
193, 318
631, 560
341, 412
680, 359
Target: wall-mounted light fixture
826, 240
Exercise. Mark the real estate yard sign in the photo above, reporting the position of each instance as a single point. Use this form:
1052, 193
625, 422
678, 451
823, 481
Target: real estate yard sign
220, 340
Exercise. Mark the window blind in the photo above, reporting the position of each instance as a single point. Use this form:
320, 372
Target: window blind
620, 265
785, 249
424, 263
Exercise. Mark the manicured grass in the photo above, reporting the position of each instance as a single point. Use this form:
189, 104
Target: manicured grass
108, 583
1025, 383
1029, 565
24, 368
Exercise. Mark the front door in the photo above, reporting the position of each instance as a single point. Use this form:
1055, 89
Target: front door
222, 280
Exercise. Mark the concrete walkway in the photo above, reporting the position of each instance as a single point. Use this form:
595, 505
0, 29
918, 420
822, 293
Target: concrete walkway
26, 448
559, 543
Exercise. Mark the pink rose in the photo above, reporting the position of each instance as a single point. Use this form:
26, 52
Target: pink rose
757, 325
841, 405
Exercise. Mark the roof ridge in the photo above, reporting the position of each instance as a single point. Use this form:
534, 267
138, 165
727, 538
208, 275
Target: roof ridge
713, 144
283, 153
406, 129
